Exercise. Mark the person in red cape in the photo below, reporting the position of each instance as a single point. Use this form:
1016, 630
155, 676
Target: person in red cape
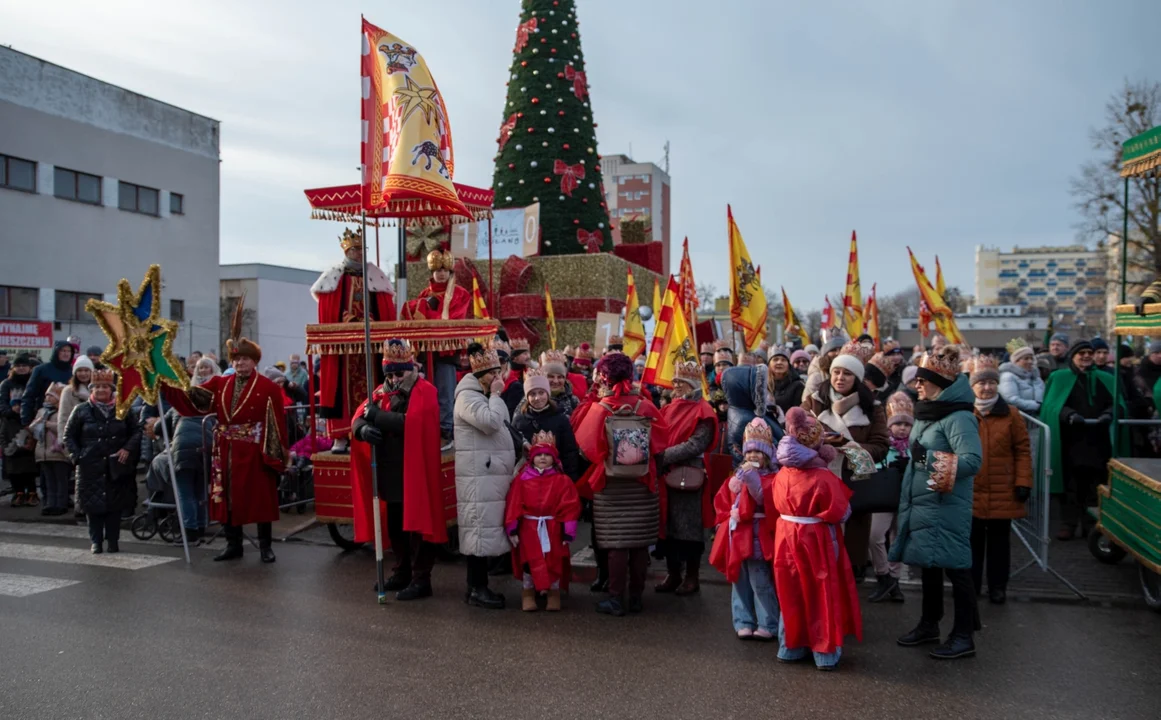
249, 453
625, 509
816, 588
442, 299
744, 544
402, 422
339, 293
581, 370
540, 517
693, 430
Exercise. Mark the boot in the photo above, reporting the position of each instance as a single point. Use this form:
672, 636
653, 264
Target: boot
266, 553
1066, 533
887, 585
528, 600
957, 646
692, 582
414, 591
601, 584
553, 601
396, 583
114, 545
922, 634
96, 549
232, 552
18, 500
611, 606
671, 582
32, 499
998, 596
483, 597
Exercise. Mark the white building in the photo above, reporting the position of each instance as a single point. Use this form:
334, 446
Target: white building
278, 306
987, 327
96, 184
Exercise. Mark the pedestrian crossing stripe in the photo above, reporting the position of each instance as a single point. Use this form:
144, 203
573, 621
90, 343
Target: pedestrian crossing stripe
25, 585
74, 556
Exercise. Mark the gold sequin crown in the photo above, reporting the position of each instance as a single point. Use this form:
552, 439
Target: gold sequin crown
543, 437
398, 352
484, 360
351, 239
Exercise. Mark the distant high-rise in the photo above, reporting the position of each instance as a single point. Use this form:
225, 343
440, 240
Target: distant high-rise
1068, 283
639, 191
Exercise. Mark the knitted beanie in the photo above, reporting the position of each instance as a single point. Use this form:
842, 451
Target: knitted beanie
985, 369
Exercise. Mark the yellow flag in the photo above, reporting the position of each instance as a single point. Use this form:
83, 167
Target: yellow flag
853, 297
931, 304
634, 332
940, 285
479, 309
656, 298
672, 342
550, 320
747, 299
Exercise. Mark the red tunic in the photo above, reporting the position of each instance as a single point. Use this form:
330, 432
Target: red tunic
249, 447
422, 491
553, 497
580, 386
594, 443
732, 548
812, 573
461, 303
682, 417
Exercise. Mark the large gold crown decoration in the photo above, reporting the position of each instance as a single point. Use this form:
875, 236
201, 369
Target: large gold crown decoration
440, 260
140, 345
351, 239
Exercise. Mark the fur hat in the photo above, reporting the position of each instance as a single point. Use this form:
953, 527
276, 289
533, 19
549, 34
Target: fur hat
616, 367
688, 373
758, 436
804, 427
900, 409
104, 377
351, 239
397, 355
535, 379
554, 362
584, 355
1019, 348
940, 366
986, 368
82, 363
483, 358
437, 260
238, 346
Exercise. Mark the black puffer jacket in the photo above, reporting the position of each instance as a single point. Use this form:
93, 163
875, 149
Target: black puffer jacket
528, 422
103, 484
187, 435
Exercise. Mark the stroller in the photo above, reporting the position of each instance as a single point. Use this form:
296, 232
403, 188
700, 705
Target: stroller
160, 513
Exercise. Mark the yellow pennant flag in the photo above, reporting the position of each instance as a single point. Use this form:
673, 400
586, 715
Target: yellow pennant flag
672, 342
935, 306
550, 317
479, 309
656, 298
940, 285
872, 313
790, 320
853, 297
634, 332
747, 300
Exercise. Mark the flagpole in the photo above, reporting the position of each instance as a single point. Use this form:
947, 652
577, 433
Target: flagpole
371, 393
173, 476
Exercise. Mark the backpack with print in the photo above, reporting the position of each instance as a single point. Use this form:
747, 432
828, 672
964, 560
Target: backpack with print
628, 434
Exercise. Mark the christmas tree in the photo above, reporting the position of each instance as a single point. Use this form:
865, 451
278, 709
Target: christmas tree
548, 142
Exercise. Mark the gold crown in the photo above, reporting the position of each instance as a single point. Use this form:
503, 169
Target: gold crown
543, 437
942, 361
568, 351
105, 376
758, 430
707, 348
440, 260
688, 372
519, 345
900, 404
1015, 344
860, 351
484, 360
351, 239
398, 352
553, 357
986, 362
616, 340
723, 344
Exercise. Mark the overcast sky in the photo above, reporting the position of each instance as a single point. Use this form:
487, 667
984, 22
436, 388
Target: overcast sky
932, 123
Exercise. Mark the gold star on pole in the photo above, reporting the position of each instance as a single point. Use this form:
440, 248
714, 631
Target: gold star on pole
417, 98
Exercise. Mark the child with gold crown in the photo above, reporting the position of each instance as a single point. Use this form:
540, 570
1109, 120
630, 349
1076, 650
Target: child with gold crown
540, 518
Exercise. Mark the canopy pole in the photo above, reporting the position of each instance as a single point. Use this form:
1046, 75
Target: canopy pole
367, 350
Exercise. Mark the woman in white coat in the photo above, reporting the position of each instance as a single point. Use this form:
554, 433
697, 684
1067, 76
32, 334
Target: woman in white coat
1020, 383
485, 464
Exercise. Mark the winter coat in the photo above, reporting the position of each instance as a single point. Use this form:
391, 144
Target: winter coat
528, 422
12, 393
43, 376
186, 436
1007, 464
103, 484
1020, 388
50, 448
745, 390
787, 392
872, 434
69, 399
934, 529
485, 465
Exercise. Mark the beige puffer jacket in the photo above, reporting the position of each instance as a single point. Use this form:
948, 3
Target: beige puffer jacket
485, 464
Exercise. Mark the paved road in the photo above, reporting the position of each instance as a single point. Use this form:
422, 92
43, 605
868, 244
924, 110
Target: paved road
141, 635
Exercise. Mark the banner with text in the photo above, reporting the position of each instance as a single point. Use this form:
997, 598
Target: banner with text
515, 231
16, 335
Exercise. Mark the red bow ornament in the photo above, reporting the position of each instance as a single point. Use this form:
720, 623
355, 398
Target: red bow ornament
523, 30
591, 240
506, 130
580, 86
570, 175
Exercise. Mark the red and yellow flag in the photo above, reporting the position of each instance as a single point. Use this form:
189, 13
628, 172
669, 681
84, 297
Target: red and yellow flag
747, 299
871, 311
790, 320
634, 331
937, 309
853, 296
407, 155
550, 317
479, 309
672, 341
940, 285
689, 301
828, 321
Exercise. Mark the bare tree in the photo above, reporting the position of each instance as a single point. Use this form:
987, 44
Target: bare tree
1100, 191
706, 293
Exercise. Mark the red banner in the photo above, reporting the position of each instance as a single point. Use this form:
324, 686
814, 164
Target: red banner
16, 335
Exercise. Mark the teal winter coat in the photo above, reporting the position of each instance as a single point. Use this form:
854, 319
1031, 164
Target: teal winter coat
935, 528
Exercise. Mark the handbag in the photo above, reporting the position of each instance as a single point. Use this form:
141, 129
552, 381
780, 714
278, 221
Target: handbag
684, 477
879, 493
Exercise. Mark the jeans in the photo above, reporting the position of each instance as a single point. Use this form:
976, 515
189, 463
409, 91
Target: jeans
445, 386
967, 618
755, 604
191, 489
55, 477
477, 571
106, 526
821, 659
991, 541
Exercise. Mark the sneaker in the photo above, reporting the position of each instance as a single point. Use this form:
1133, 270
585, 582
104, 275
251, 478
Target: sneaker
611, 606
745, 634
446, 442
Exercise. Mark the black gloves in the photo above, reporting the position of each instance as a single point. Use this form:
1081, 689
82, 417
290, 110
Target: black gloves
918, 452
370, 434
1105, 417
1023, 493
371, 411
1075, 419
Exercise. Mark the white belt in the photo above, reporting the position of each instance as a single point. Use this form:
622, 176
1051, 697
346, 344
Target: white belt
801, 520
542, 530
734, 524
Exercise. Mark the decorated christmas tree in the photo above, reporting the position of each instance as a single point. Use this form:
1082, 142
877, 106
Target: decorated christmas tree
548, 142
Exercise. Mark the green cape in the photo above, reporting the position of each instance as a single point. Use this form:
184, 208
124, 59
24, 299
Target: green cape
1056, 391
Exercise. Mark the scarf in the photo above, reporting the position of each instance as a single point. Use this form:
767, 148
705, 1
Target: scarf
352, 267
985, 406
105, 408
791, 453
933, 410
901, 445
843, 414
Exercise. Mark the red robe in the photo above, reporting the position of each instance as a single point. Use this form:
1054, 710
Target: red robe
812, 572
731, 549
549, 495
422, 491
593, 441
681, 417
249, 447
461, 303
580, 386
345, 304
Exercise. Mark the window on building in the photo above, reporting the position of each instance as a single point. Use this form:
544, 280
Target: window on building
138, 199
70, 306
176, 204
177, 310
17, 174
644, 178
74, 185
19, 303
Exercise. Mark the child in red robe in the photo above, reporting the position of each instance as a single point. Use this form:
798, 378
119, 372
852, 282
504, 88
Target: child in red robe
744, 542
816, 588
541, 516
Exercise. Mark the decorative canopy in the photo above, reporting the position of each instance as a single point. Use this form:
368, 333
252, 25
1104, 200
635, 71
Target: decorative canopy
1141, 155
342, 203
423, 335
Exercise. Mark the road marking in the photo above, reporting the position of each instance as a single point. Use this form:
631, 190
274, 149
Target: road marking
45, 530
25, 585
73, 556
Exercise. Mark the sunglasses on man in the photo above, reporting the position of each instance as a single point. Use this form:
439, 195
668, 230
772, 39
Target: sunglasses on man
397, 374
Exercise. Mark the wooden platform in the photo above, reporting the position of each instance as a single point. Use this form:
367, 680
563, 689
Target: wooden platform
1130, 508
333, 494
